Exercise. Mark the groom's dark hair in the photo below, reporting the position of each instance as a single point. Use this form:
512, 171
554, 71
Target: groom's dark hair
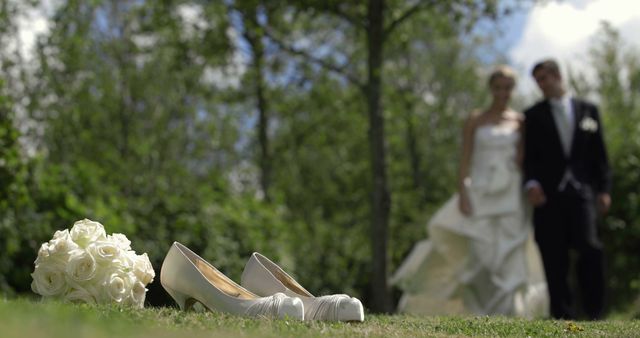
548, 64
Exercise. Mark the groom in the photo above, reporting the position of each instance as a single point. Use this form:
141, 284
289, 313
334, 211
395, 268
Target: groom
567, 180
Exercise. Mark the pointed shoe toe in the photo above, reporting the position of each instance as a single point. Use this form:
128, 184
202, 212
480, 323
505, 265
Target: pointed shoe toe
291, 307
350, 310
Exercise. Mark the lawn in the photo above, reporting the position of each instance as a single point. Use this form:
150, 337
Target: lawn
26, 318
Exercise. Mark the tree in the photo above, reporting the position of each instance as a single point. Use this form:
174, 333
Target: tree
617, 86
250, 12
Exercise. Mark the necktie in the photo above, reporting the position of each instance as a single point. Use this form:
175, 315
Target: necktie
564, 128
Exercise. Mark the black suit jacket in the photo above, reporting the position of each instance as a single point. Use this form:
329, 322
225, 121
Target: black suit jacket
545, 160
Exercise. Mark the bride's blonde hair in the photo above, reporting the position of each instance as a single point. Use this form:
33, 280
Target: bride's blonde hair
502, 71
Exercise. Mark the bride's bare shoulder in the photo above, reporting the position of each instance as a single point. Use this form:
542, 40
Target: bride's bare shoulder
474, 118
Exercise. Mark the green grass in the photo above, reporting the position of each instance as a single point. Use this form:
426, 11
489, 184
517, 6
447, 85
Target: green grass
25, 318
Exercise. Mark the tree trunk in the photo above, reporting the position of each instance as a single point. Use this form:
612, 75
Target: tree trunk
255, 41
381, 198
263, 122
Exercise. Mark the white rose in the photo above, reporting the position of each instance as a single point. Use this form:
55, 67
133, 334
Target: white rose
121, 241
53, 255
138, 293
43, 253
142, 268
81, 266
103, 272
61, 234
51, 258
127, 260
118, 287
87, 231
62, 243
104, 252
48, 280
78, 294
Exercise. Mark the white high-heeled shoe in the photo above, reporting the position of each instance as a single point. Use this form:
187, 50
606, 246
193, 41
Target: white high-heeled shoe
189, 279
264, 277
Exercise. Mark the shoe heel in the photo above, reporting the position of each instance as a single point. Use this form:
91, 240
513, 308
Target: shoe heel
184, 301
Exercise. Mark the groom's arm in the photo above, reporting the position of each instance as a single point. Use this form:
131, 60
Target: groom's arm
532, 186
530, 152
601, 159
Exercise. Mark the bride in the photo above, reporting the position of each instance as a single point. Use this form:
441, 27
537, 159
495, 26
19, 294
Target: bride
480, 258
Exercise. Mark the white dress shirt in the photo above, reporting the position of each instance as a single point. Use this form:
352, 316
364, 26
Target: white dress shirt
563, 115
563, 105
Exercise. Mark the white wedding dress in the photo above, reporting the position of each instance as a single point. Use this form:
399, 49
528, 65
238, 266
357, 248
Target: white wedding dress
484, 264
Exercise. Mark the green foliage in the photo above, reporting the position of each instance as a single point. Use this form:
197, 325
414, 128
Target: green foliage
618, 84
21, 226
12, 192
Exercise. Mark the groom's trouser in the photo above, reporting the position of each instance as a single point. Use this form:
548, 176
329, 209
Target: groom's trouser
568, 221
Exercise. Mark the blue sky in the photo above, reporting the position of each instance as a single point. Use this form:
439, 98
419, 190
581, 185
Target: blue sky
511, 27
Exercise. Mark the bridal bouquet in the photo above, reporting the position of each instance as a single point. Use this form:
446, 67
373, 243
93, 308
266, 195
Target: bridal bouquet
87, 265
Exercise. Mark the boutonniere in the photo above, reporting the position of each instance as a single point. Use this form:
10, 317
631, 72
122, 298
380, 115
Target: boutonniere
588, 124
